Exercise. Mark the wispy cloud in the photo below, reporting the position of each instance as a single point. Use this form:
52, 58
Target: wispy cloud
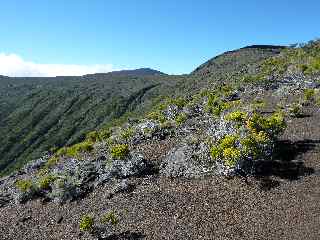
13, 65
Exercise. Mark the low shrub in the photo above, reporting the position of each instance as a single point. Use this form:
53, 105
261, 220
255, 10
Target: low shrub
157, 116
181, 118
231, 155
254, 140
52, 161
45, 181
111, 218
180, 102
127, 134
119, 151
24, 185
308, 94
86, 223
76, 149
273, 125
104, 134
295, 110
237, 116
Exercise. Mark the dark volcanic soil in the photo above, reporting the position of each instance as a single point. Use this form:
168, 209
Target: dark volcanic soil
283, 203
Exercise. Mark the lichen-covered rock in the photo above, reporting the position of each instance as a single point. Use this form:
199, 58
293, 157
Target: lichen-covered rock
132, 165
66, 188
33, 166
182, 162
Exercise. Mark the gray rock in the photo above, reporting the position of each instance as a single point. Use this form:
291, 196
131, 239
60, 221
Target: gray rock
65, 189
133, 165
180, 163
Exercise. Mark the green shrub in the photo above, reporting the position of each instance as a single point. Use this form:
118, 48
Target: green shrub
86, 223
312, 67
253, 144
110, 217
273, 65
273, 125
231, 155
82, 147
253, 79
295, 110
226, 150
127, 134
180, 102
258, 103
119, 151
228, 141
181, 118
62, 151
308, 94
215, 152
51, 162
236, 116
157, 116
93, 136
45, 181
24, 185
105, 134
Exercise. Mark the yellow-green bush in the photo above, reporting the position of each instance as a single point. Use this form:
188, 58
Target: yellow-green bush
181, 118
110, 217
127, 133
119, 151
24, 185
86, 223
231, 155
45, 181
228, 141
76, 149
252, 144
254, 141
312, 67
295, 110
308, 94
52, 161
157, 116
226, 150
237, 116
180, 102
273, 125
92, 136
104, 134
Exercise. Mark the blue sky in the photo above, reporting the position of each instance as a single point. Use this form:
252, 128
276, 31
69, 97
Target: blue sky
173, 36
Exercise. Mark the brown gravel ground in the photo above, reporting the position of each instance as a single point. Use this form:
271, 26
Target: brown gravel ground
283, 203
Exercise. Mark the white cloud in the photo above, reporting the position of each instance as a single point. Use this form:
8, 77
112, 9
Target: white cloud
13, 65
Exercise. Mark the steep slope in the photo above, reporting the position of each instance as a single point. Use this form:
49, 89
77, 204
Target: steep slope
40, 113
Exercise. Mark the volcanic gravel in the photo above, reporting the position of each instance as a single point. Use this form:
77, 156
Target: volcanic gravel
282, 203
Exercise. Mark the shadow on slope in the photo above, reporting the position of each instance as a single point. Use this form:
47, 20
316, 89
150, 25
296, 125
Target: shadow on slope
124, 236
287, 163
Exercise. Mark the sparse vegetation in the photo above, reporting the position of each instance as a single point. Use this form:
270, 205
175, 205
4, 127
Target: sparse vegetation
295, 110
127, 133
237, 116
111, 218
24, 185
119, 151
181, 118
86, 223
45, 181
309, 95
